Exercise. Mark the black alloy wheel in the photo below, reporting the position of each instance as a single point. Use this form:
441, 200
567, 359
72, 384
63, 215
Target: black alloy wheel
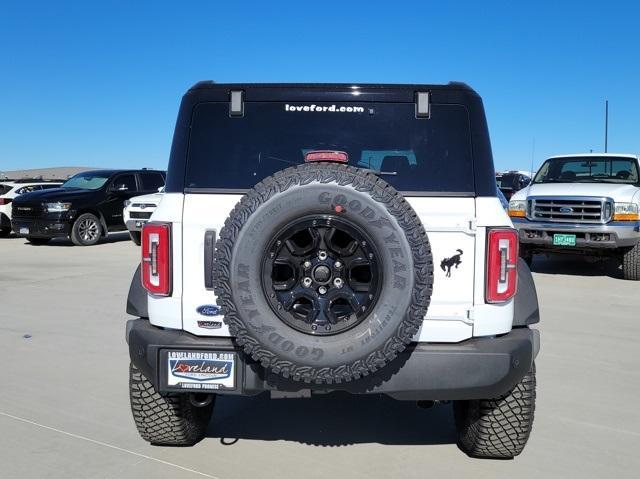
321, 275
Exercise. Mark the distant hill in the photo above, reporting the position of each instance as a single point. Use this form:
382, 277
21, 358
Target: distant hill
57, 173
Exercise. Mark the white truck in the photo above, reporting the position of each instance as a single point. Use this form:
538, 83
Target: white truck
319, 238
585, 203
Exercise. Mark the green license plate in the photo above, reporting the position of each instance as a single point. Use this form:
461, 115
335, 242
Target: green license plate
564, 240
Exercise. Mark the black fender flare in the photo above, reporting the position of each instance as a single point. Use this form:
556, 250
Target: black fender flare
526, 310
137, 298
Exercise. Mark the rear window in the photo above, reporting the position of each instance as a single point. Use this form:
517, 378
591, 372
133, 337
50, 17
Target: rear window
424, 155
4, 189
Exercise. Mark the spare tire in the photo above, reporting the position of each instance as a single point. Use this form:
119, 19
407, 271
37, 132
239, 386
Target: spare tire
324, 273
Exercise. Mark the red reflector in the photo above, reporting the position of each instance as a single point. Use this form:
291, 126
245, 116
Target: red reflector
502, 260
337, 156
156, 258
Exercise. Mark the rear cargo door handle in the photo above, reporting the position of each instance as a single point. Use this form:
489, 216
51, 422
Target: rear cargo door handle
209, 250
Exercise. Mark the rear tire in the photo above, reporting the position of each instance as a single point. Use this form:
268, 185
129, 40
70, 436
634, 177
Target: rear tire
4, 232
497, 428
165, 419
136, 237
631, 263
86, 230
38, 241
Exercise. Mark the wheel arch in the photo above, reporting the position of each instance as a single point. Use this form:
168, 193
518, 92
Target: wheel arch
97, 213
137, 297
526, 310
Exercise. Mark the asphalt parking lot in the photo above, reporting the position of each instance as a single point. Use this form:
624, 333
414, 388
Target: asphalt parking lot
64, 408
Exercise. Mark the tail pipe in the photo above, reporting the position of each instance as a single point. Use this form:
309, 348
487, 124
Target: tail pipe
201, 399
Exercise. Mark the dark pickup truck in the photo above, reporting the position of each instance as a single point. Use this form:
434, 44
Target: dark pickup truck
85, 208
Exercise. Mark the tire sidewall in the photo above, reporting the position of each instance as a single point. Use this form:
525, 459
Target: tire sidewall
395, 261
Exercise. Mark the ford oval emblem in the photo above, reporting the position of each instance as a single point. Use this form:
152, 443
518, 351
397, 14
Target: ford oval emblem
208, 310
566, 209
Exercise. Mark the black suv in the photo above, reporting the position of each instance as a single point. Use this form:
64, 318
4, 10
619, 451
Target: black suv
510, 182
86, 207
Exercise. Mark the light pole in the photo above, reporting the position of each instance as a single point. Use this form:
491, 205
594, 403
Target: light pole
606, 125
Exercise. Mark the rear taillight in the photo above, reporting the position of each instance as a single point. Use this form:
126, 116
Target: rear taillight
156, 258
5, 201
502, 260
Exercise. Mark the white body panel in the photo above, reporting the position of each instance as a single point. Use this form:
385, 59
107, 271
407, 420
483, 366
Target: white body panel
166, 311
457, 311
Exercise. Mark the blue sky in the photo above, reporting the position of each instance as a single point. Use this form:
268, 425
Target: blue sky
99, 83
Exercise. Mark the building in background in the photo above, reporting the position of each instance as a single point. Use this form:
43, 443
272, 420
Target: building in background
58, 173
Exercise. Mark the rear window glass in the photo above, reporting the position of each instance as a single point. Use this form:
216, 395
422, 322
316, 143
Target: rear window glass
430, 155
5, 189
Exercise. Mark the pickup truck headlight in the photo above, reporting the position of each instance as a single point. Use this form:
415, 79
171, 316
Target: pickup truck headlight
626, 212
56, 207
517, 208
127, 203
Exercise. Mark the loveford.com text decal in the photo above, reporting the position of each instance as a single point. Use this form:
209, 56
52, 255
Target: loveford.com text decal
323, 108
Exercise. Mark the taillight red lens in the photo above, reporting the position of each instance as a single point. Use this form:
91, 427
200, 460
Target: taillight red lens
5, 201
502, 261
156, 258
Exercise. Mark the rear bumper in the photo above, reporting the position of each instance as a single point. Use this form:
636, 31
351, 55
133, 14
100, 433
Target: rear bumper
612, 235
41, 228
474, 369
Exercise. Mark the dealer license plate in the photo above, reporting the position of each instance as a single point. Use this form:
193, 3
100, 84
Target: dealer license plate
201, 370
24, 231
564, 240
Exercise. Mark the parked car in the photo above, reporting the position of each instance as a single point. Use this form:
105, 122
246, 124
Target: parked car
510, 182
137, 212
8, 192
585, 203
86, 207
364, 251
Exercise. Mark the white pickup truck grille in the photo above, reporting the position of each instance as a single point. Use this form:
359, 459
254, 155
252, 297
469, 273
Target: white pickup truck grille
570, 209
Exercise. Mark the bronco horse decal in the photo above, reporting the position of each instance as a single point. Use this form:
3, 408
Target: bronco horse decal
447, 263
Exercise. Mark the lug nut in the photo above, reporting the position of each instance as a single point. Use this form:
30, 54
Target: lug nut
322, 255
322, 290
338, 264
307, 264
306, 282
337, 282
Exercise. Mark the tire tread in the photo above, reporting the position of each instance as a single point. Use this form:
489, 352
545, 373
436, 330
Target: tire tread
498, 428
168, 419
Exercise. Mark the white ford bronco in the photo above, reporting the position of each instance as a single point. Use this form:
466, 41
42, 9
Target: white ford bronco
587, 204
319, 238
